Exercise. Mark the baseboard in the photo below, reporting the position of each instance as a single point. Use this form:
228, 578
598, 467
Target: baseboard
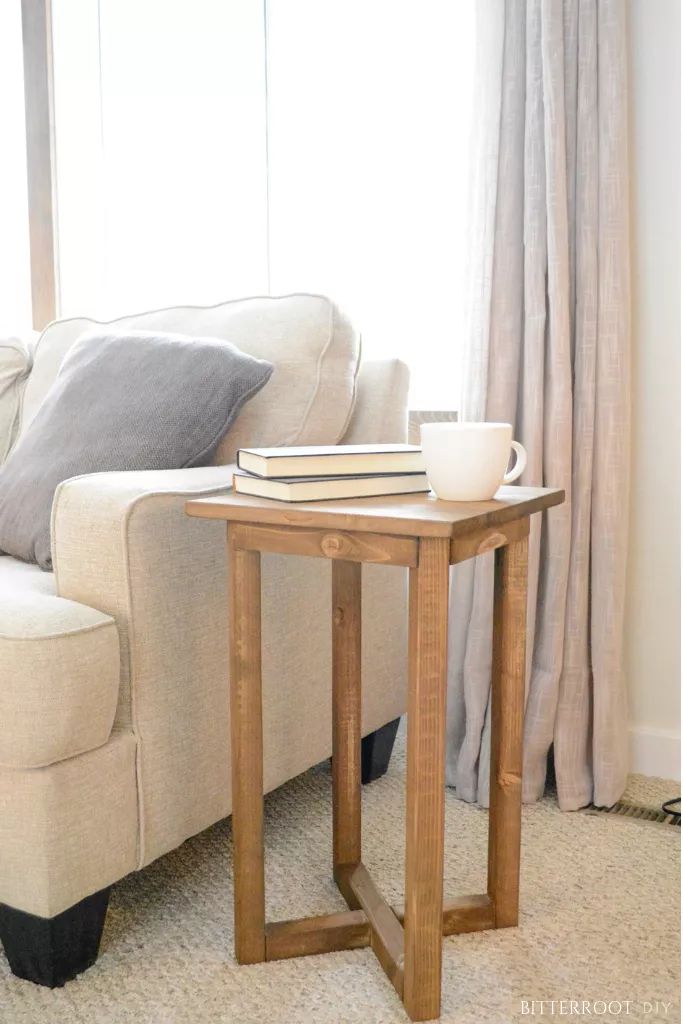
655, 751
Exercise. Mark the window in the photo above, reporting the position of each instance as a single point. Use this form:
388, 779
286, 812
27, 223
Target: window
218, 148
15, 282
161, 143
369, 104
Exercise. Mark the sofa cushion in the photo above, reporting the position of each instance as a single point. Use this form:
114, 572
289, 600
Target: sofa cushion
59, 671
15, 363
122, 401
313, 347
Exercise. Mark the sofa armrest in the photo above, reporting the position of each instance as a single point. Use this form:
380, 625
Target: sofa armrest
114, 533
123, 544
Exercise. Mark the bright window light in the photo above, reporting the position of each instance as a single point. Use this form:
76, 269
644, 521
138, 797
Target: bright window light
161, 141
223, 148
369, 110
15, 279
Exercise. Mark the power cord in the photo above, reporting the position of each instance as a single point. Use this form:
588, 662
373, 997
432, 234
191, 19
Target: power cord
669, 808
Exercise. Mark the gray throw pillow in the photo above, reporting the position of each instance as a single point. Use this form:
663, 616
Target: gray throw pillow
139, 400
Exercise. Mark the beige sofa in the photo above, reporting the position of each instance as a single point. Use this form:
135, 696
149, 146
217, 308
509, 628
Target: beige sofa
114, 746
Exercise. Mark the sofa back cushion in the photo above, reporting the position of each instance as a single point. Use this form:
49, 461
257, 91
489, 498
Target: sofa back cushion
15, 363
312, 346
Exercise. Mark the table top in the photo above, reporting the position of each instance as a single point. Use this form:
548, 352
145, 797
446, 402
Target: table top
414, 515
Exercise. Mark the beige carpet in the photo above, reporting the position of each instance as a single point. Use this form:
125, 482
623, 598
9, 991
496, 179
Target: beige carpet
599, 922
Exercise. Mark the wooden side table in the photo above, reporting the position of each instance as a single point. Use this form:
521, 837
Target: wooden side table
428, 536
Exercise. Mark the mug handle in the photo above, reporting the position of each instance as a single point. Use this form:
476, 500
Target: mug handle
520, 463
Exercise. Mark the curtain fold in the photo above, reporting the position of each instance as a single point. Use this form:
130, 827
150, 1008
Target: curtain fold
547, 349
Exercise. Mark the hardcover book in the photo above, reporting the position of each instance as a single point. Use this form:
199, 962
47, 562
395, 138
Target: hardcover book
321, 488
331, 460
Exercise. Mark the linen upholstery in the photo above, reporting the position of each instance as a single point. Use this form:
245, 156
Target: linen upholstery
15, 363
69, 829
124, 544
59, 671
381, 409
312, 345
547, 349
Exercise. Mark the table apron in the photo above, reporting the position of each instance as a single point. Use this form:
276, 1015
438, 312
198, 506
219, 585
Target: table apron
335, 544
378, 548
478, 542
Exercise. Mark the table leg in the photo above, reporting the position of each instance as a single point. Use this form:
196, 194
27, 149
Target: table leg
423, 920
507, 724
346, 717
247, 752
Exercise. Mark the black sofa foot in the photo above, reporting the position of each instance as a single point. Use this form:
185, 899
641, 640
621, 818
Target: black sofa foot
376, 752
52, 950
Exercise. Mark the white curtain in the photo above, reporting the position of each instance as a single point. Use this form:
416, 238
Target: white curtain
547, 349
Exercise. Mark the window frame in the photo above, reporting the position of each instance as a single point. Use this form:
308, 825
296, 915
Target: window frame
36, 20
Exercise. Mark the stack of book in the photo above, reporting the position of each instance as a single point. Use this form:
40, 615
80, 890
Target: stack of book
339, 471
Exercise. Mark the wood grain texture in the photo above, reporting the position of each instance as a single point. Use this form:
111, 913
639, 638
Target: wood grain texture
333, 544
467, 914
40, 157
386, 932
462, 914
309, 935
351, 929
247, 752
428, 641
408, 515
507, 724
346, 713
489, 539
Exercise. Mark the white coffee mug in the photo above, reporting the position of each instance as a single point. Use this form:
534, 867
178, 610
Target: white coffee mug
467, 461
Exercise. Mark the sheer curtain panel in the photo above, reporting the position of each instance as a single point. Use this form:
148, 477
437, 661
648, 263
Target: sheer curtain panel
548, 350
